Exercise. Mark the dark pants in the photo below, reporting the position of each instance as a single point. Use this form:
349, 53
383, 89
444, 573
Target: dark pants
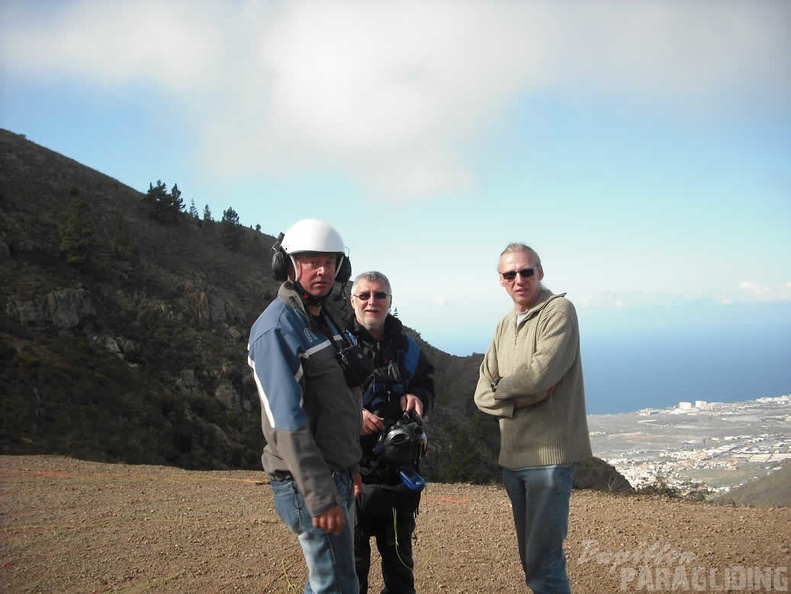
393, 535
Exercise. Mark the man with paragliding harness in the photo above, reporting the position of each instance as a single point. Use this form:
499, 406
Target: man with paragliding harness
310, 403
395, 397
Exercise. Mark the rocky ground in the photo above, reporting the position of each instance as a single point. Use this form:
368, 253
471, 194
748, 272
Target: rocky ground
74, 526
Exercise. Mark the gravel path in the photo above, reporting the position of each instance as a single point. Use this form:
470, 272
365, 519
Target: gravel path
74, 526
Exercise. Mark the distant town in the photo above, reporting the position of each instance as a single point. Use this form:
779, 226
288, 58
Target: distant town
714, 446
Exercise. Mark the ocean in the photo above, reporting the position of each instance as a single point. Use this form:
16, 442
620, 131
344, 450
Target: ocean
725, 361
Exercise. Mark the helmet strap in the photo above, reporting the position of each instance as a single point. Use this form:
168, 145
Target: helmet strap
307, 298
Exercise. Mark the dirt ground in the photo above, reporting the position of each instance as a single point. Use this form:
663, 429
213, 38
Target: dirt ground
74, 526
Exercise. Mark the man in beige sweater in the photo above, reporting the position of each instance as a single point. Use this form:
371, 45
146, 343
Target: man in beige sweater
531, 379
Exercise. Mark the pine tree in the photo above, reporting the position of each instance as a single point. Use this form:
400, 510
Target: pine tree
155, 194
231, 229
163, 205
193, 211
230, 217
206, 214
175, 202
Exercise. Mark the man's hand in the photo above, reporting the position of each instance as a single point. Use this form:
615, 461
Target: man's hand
372, 423
330, 521
358, 484
521, 404
412, 402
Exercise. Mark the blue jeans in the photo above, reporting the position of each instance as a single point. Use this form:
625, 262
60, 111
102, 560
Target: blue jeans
540, 499
329, 557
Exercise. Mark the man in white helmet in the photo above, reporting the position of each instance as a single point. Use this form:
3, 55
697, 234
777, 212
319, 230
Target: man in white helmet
310, 411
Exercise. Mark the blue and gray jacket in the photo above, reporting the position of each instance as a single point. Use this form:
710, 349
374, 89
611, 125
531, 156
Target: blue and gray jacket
310, 417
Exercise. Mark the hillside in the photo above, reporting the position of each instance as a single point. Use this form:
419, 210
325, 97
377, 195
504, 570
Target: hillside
71, 526
138, 352
773, 489
123, 331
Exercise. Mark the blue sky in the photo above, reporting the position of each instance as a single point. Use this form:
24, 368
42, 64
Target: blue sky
643, 148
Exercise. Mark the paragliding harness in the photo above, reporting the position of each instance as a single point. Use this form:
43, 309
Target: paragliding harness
356, 366
402, 443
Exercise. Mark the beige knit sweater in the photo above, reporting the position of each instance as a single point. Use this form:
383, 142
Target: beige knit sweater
542, 353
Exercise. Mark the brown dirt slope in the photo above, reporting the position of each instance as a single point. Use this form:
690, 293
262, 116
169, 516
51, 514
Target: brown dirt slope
773, 489
74, 526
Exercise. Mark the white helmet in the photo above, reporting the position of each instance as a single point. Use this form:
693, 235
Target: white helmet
312, 235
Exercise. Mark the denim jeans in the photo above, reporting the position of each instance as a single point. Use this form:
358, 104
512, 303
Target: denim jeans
329, 557
540, 499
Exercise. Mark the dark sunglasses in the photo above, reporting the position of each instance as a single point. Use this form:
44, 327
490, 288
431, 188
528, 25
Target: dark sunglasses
378, 295
524, 273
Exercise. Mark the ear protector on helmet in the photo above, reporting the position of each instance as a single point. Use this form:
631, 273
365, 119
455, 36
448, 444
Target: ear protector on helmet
344, 273
280, 260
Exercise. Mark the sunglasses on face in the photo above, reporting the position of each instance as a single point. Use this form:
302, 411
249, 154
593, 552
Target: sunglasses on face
524, 273
378, 295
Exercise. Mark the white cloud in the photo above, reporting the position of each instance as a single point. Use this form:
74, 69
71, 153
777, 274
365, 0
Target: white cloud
752, 291
168, 44
673, 49
390, 93
387, 92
